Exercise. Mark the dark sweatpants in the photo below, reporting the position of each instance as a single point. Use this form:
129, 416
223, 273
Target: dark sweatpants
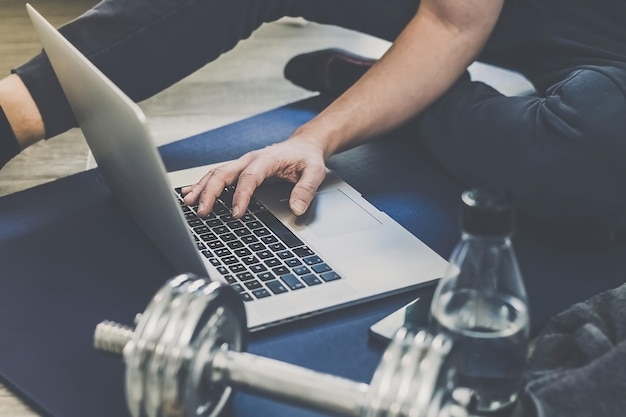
561, 152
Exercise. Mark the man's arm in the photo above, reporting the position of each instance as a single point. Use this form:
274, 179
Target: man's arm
428, 56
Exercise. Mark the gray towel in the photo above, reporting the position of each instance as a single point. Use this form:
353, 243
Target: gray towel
578, 363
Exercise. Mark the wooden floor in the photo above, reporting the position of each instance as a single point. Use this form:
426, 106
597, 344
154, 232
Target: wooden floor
220, 93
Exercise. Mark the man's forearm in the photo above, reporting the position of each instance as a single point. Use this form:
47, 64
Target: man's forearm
429, 55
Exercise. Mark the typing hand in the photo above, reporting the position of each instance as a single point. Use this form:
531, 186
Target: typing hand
297, 160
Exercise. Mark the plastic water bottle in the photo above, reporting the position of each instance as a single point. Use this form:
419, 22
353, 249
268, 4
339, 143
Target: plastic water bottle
481, 304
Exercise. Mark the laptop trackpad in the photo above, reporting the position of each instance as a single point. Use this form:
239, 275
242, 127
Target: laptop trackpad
333, 213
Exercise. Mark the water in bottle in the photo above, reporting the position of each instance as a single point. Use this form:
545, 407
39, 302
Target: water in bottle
481, 304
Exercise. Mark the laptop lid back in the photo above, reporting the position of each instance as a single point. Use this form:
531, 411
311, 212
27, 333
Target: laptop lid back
115, 129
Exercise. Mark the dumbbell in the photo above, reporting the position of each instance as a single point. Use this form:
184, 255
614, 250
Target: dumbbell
185, 356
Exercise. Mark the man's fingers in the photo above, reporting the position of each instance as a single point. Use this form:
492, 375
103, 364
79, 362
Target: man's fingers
304, 190
249, 179
211, 185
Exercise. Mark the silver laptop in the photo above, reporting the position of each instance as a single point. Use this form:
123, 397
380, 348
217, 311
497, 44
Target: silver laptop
341, 252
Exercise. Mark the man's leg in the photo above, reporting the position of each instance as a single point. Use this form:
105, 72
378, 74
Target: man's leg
20, 122
144, 46
562, 155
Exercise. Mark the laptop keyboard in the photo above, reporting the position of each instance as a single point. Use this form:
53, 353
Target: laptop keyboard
257, 255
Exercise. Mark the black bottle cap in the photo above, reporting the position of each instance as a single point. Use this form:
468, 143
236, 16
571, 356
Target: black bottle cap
487, 212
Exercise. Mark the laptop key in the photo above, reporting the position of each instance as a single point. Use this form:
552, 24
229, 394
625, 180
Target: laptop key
301, 270
243, 252
229, 260
215, 244
266, 276
261, 293
255, 247
201, 230
292, 282
249, 239
293, 262
276, 247
311, 279
319, 268
208, 237
253, 285
220, 230
245, 276
285, 254
303, 252
246, 297
227, 237
276, 287
281, 270
242, 232
220, 209
247, 218
257, 268
264, 254
237, 268
235, 244
261, 232
249, 260
269, 239
213, 222
237, 287
312, 260
272, 262
194, 222
235, 224
221, 252
330, 276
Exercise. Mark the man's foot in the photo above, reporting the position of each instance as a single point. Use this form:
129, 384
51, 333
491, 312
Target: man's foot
328, 71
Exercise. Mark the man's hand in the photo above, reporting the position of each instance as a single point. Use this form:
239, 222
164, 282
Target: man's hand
297, 159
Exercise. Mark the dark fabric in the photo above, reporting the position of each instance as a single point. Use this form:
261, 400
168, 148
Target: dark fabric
560, 152
561, 155
8, 143
578, 364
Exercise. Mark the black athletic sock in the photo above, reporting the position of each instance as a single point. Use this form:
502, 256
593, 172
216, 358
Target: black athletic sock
8, 143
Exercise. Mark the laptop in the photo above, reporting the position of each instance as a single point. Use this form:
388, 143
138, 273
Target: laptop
341, 252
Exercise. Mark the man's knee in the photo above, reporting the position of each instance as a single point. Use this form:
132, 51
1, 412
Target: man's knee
589, 105
582, 130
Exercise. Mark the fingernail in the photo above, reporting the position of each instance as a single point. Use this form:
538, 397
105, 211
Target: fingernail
200, 207
298, 206
236, 211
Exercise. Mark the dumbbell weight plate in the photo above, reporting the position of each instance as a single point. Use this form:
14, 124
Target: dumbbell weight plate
432, 376
407, 382
183, 313
183, 325
382, 381
139, 349
225, 327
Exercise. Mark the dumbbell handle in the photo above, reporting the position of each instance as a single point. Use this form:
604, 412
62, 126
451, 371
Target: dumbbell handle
290, 383
260, 375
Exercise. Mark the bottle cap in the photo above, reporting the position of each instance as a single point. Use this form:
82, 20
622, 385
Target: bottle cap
487, 212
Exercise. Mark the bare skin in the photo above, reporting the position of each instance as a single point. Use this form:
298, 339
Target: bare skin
21, 111
428, 56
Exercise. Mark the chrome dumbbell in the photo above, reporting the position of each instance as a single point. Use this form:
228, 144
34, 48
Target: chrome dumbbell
185, 357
